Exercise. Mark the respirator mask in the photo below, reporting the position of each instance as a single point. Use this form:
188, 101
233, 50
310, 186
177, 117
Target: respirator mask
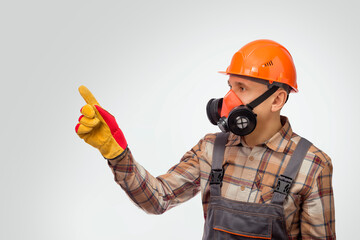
230, 113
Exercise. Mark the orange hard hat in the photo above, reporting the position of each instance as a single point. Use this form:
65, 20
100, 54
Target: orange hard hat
264, 59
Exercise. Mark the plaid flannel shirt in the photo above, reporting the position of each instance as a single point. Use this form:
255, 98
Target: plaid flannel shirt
250, 176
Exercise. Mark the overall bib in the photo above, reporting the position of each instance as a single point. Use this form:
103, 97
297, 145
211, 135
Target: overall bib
228, 219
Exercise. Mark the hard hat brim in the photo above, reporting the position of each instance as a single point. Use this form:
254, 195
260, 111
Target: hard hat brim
294, 90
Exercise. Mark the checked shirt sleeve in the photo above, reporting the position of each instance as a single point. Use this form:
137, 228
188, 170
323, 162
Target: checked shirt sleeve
318, 215
155, 195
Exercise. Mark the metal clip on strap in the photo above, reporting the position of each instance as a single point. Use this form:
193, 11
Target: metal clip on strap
283, 184
216, 176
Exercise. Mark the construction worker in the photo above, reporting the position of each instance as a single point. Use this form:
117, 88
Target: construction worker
258, 179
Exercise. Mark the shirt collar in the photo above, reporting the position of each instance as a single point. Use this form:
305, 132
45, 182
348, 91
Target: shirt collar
277, 142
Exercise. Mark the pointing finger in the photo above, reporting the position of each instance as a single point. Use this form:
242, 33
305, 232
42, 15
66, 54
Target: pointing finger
87, 95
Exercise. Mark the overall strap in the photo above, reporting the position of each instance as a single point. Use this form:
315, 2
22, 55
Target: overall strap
217, 171
286, 179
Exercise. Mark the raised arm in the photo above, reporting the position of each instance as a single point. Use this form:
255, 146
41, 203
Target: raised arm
154, 195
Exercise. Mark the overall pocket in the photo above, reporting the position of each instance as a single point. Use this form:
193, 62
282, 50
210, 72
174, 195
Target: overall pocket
231, 224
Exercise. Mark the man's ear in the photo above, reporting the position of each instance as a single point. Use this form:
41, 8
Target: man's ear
279, 100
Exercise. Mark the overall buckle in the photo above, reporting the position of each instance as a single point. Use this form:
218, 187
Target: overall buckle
283, 184
216, 176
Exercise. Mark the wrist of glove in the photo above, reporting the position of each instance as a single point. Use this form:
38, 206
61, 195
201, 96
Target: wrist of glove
99, 128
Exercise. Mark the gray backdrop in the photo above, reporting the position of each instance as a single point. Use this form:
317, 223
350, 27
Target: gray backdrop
153, 65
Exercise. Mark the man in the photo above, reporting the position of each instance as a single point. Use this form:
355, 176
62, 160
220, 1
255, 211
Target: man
258, 179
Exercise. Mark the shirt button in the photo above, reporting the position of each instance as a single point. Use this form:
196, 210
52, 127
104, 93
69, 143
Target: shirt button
242, 188
251, 158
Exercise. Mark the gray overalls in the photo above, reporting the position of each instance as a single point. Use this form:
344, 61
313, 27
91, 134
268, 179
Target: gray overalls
229, 219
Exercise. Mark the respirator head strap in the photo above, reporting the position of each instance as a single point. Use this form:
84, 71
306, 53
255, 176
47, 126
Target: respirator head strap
262, 97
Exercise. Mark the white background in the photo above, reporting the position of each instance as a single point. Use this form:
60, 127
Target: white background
153, 65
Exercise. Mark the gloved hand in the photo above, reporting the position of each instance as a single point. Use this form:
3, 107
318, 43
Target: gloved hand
99, 128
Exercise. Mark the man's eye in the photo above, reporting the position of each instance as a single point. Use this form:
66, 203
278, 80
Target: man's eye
242, 89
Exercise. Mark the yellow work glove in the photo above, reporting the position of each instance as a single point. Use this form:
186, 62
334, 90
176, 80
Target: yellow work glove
99, 128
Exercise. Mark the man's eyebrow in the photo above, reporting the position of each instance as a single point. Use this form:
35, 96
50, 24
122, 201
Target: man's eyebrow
238, 83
